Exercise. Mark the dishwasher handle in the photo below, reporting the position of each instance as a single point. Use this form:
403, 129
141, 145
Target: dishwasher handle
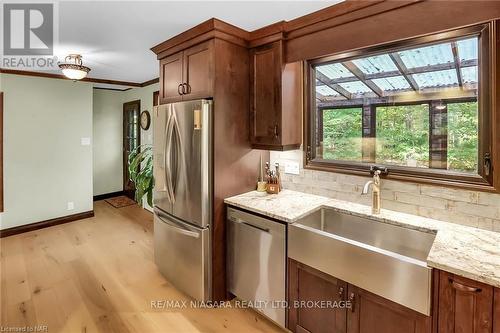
240, 221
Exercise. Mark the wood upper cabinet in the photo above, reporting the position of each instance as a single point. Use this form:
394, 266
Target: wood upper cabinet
369, 313
374, 314
188, 74
171, 78
275, 98
307, 284
465, 306
198, 70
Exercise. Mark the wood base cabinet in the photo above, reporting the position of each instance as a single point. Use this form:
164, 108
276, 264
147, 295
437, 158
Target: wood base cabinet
368, 313
496, 311
374, 314
465, 306
307, 286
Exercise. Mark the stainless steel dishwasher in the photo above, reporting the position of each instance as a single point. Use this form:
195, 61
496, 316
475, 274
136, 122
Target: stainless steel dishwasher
256, 262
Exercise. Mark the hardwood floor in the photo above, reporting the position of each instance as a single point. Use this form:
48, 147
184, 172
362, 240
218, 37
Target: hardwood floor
98, 275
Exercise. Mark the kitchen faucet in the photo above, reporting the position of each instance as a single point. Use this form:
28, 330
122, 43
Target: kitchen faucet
375, 183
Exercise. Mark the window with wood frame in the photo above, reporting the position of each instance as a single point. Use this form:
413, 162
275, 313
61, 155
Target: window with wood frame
419, 107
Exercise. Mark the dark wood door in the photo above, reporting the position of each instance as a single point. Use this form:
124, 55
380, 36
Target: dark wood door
198, 71
131, 140
307, 285
374, 314
156, 98
265, 94
465, 306
171, 79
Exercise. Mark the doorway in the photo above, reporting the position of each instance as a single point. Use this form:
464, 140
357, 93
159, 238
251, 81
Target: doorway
131, 140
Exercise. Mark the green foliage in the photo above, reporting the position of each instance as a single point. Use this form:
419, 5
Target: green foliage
140, 166
403, 135
462, 136
342, 134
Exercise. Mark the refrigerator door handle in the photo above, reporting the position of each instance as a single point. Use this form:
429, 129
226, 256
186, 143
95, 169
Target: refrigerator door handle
176, 226
177, 153
159, 188
168, 157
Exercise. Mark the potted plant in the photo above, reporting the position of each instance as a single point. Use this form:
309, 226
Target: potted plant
140, 166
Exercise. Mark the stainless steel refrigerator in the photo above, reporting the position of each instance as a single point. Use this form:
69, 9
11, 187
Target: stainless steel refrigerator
183, 195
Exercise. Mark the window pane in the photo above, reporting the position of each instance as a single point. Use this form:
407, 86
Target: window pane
376, 64
342, 134
467, 49
463, 136
403, 135
427, 56
441, 79
334, 71
415, 107
393, 83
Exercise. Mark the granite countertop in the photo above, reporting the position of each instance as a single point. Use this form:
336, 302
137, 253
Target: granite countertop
466, 251
287, 206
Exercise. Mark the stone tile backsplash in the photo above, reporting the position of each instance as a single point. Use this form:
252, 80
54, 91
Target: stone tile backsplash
471, 208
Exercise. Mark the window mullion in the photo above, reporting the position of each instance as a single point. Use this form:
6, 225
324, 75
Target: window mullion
438, 135
368, 135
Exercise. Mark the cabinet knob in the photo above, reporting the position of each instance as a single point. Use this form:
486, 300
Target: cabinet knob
341, 292
352, 300
186, 88
179, 89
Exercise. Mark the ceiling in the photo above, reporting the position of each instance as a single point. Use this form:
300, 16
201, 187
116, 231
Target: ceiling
115, 37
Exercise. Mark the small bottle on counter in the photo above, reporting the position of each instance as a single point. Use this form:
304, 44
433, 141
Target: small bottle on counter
261, 183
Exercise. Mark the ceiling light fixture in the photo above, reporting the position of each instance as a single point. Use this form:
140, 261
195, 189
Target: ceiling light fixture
72, 67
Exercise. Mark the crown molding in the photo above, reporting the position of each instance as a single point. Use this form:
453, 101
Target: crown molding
150, 82
112, 89
87, 79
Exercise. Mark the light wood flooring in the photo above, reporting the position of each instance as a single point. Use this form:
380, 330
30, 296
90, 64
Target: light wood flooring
98, 275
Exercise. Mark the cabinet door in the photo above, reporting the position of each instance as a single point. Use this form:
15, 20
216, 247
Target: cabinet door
171, 78
198, 71
370, 313
265, 94
305, 285
496, 311
465, 306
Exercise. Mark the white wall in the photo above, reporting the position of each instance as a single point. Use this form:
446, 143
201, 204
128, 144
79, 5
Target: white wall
108, 134
45, 165
146, 96
472, 208
108, 141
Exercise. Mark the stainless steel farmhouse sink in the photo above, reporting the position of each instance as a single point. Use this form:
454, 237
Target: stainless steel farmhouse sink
385, 259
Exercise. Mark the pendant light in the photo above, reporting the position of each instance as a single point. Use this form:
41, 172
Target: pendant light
72, 67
